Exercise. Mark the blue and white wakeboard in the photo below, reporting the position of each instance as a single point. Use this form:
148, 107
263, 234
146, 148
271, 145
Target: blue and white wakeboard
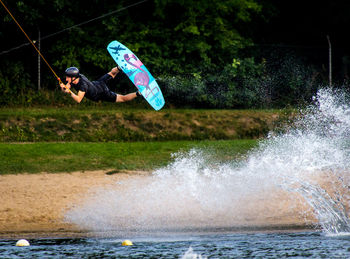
137, 73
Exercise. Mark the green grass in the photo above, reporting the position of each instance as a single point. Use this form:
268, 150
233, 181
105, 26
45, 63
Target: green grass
99, 124
82, 156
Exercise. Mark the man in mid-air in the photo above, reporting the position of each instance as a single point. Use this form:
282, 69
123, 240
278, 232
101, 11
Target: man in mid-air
95, 90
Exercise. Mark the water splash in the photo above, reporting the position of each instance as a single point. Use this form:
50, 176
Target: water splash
312, 158
300, 174
190, 254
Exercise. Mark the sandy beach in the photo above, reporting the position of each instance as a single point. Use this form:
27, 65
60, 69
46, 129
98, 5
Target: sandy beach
37, 203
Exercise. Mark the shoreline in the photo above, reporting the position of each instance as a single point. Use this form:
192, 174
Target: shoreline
111, 233
34, 205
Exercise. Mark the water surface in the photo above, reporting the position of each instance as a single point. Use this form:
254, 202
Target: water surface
214, 245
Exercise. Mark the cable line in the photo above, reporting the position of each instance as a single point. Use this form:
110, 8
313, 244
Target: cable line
69, 28
33, 44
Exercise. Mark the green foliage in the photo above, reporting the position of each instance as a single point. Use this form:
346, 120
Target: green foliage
288, 79
103, 124
194, 48
13, 83
236, 86
172, 37
204, 33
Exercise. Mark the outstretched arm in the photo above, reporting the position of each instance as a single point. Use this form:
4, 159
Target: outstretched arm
76, 97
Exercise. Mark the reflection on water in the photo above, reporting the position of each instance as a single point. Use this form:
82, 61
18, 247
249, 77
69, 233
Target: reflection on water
300, 175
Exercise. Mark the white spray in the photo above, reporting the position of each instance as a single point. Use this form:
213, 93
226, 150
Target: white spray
300, 174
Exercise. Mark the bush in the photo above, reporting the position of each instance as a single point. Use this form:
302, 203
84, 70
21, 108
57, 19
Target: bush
237, 85
272, 83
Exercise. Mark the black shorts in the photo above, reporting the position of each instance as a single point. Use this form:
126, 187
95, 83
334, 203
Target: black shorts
107, 95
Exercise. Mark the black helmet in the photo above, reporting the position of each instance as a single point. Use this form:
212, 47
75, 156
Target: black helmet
72, 72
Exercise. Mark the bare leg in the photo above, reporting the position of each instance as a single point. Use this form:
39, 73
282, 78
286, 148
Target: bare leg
122, 98
125, 98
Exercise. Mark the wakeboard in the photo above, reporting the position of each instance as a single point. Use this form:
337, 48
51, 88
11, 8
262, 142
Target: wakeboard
137, 73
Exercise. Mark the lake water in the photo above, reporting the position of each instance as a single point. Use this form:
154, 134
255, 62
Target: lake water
214, 245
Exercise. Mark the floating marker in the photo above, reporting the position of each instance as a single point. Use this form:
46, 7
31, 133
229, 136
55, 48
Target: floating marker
127, 243
22, 242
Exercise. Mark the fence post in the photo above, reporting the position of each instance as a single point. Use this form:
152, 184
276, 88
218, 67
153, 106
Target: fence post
330, 60
39, 72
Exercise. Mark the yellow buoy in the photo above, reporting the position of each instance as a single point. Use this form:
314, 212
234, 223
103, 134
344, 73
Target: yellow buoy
22, 242
127, 243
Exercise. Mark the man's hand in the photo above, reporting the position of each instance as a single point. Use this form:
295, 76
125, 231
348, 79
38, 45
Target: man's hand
65, 88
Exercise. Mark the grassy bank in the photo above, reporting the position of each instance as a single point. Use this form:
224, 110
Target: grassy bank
101, 124
69, 157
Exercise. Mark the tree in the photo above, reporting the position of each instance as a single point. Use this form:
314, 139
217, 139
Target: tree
171, 36
203, 33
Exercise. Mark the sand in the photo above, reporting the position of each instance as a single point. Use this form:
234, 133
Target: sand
37, 203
